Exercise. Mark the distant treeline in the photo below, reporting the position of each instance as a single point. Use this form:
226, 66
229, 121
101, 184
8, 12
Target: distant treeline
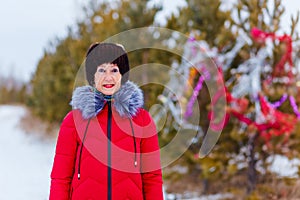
12, 91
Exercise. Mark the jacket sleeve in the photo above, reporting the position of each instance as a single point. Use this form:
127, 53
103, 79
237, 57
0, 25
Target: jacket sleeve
64, 160
150, 159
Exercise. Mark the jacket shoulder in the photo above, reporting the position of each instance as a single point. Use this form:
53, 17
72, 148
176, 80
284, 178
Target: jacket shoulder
143, 117
68, 120
72, 117
67, 127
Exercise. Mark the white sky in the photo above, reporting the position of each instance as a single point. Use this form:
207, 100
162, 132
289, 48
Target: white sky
28, 26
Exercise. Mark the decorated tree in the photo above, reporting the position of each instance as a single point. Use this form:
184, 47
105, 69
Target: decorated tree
260, 74
262, 67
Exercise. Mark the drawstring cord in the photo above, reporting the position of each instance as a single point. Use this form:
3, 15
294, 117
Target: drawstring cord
83, 139
134, 141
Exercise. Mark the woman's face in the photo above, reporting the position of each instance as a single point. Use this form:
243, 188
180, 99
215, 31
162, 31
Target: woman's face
108, 78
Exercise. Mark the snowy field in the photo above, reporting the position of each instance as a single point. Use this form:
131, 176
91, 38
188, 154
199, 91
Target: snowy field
26, 161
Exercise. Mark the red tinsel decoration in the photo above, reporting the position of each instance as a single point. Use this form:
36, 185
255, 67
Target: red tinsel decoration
261, 36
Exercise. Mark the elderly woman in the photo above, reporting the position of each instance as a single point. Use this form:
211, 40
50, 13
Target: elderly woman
107, 147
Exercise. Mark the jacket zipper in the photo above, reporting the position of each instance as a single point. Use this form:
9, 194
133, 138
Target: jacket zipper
109, 185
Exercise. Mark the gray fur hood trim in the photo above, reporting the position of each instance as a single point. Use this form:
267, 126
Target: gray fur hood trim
127, 100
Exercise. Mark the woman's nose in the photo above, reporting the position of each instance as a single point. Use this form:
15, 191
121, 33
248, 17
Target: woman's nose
108, 76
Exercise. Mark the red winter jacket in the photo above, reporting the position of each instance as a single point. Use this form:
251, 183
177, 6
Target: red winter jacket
107, 150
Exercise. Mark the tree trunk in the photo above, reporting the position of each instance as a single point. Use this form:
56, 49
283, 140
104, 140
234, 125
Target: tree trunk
252, 175
205, 186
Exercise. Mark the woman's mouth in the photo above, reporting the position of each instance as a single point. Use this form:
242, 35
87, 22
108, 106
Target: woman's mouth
108, 85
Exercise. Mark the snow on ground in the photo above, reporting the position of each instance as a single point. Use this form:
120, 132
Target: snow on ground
25, 160
283, 166
204, 197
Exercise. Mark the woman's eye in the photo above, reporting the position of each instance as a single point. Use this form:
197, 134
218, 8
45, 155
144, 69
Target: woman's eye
101, 70
115, 70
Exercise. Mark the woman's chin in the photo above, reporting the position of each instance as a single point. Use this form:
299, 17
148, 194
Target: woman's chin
109, 91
